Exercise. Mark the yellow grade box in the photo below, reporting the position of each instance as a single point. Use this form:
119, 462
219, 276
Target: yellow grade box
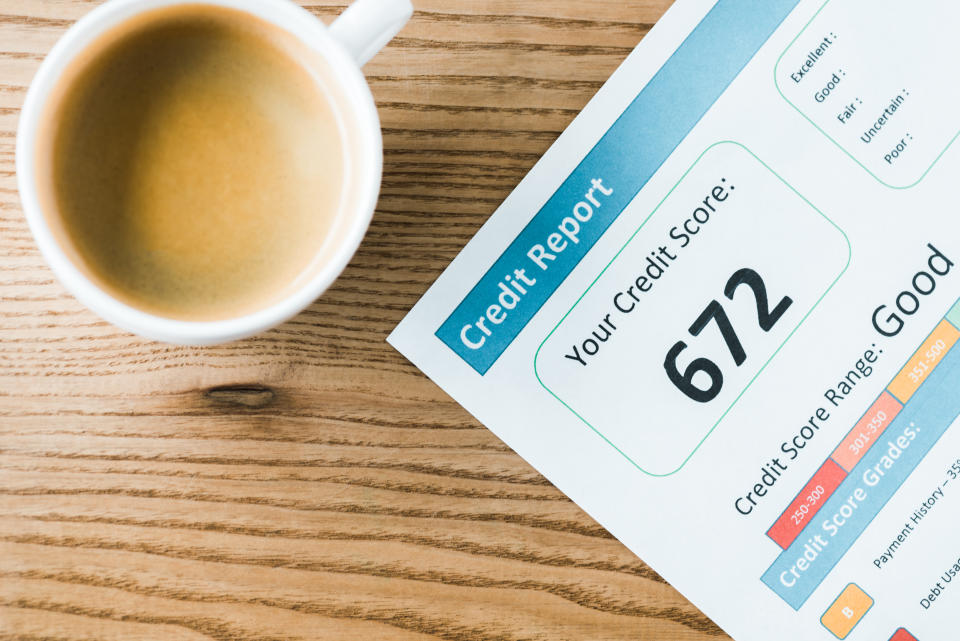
921, 364
845, 613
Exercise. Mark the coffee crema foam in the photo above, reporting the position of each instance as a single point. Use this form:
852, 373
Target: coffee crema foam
194, 165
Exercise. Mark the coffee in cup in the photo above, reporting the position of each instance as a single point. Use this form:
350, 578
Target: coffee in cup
196, 163
198, 171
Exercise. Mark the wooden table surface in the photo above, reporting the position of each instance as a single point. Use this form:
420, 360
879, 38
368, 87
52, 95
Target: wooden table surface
310, 483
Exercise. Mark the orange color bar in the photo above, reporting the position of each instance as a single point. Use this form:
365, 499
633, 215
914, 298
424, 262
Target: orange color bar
921, 364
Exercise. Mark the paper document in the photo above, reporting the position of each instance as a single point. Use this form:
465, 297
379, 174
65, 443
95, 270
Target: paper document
722, 313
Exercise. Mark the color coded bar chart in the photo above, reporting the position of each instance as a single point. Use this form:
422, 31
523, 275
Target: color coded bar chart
868, 466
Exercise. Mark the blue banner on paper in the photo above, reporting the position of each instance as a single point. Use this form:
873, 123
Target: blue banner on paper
501, 304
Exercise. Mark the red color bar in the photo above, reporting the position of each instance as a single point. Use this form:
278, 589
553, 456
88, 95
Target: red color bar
807, 504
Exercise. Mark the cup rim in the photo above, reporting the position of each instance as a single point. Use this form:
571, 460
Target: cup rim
284, 14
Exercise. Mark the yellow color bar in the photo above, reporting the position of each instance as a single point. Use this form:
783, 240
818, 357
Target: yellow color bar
921, 364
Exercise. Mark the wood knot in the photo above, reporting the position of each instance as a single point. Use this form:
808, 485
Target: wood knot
252, 396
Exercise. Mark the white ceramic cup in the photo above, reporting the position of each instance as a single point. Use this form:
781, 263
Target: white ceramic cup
357, 34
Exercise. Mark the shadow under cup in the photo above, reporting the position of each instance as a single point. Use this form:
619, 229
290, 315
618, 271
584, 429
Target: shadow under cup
198, 163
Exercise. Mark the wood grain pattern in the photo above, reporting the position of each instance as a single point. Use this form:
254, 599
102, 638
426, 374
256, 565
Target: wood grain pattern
310, 483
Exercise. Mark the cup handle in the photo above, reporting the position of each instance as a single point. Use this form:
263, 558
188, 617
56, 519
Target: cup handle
367, 25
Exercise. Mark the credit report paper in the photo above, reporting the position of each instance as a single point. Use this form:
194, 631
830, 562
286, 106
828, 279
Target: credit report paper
721, 314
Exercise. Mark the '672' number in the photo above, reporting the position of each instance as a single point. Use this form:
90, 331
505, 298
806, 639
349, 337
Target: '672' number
714, 311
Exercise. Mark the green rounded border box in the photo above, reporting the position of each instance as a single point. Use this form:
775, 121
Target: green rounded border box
828, 136
763, 367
